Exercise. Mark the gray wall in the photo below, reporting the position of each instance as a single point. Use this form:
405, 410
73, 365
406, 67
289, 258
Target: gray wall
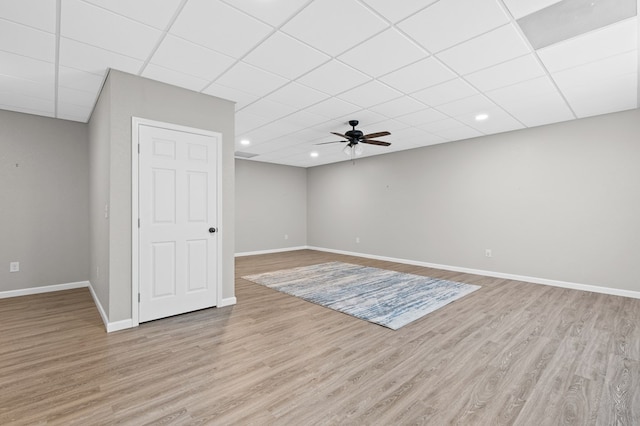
271, 202
99, 163
131, 96
558, 202
44, 208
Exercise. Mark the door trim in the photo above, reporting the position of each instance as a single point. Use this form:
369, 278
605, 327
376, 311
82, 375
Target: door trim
136, 122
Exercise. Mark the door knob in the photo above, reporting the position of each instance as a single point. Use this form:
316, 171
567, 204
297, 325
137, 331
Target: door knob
212, 230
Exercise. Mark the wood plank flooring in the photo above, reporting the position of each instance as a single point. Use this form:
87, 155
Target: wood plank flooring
509, 353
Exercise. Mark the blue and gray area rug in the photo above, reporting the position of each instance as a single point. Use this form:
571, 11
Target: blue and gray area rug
389, 298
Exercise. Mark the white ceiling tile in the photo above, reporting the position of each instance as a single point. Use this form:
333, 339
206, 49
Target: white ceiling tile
175, 78
395, 11
304, 119
246, 122
616, 94
27, 41
23, 12
441, 125
297, 95
459, 133
189, 58
446, 23
422, 117
265, 133
285, 56
154, 13
410, 137
533, 102
98, 27
27, 68
273, 12
220, 27
399, 106
268, 109
499, 121
17, 86
240, 97
369, 94
608, 41
74, 112
248, 78
79, 80
74, 54
489, 49
334, 26
79, 98
510, 72
333, 78
367, 118
591, 73
420, 75
21, 102
392, 51
446, 92
520, 8
475, 104
332, 108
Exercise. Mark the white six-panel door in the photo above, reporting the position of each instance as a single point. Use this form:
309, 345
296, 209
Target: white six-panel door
177, 201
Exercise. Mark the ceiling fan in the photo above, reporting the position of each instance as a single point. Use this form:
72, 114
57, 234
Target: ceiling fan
355, 138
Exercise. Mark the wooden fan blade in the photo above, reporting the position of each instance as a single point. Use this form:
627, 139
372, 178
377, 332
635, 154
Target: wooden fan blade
375, 135
340, 134
324, 143
372, 142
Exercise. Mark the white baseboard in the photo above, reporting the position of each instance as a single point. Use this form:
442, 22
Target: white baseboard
43, 289
534, 280
228, 301
280, 250
109, 326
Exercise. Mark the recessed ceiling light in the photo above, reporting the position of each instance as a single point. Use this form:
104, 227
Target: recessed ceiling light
482, 117
245, 142
314, 154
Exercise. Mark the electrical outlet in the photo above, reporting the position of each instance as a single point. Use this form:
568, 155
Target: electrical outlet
286, 236
488, 253
14, 267
357, 240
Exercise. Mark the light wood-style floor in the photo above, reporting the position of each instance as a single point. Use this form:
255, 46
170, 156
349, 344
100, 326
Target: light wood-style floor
509, 353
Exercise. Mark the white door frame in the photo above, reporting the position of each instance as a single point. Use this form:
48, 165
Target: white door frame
135, 231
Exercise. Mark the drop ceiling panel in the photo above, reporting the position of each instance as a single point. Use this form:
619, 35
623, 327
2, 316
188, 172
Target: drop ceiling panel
446, 92
419, 118
399, 106
459, 133
447, 23
297, 95
392, 51
23, 103
610, 41
73, 112
533, 102
492, 48
154, 13
240, 97
420, 75
189, 58
246, 122
441, 125
27, 68
396, 11
81, 56
250, 79
475, 104
107, 30
220, 27
514, 71
268, 109
273, 12
33, 43
368, 121
285, 56
22, 12
330, 25
619, 93
333, 108
498, 121
166, 75
79, 80
369, 94
79, 98
333, 78
520, 8
17, 87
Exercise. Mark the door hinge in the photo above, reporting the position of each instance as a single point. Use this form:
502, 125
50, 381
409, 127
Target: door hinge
138, 222
138, 297
138, 148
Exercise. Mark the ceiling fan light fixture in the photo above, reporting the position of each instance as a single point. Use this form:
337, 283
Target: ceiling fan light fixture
353, 150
